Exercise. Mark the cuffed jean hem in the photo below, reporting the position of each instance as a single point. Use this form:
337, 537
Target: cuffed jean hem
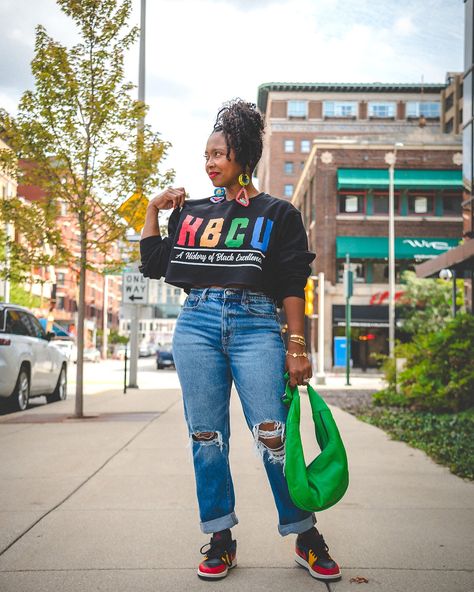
222, 523
297, 527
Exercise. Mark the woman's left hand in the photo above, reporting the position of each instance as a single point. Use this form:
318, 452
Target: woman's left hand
299, 369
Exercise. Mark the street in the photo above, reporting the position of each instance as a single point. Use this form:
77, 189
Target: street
109, 374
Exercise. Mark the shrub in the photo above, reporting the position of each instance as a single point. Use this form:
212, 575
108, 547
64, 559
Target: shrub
439, 371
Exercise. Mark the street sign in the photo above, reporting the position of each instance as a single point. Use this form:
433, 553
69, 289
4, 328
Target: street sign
134, 288
134, 211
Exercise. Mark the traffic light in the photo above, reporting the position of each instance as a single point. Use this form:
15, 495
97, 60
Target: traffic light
309, 298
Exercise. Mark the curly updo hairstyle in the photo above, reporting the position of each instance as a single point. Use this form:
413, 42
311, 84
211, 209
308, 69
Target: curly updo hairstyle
243, 129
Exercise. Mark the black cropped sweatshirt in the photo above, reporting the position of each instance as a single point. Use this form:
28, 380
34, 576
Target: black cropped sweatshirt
263, 247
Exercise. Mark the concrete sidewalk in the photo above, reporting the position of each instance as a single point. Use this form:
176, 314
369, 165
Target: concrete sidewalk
108, 504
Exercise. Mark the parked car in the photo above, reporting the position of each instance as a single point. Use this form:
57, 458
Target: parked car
119, 353
147, 350
68, 347
91, 354
30, 365
164, 357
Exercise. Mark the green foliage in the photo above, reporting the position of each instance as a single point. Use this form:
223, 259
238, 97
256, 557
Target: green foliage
113, 337
20, 296
447, 438
426, 304
439, 371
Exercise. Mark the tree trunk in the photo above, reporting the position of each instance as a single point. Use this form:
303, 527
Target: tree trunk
79, 406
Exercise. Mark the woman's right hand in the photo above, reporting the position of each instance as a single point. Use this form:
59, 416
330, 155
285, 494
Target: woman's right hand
173, 197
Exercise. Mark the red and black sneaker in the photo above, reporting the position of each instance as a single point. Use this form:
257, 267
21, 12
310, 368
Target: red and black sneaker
219, 558
313, 553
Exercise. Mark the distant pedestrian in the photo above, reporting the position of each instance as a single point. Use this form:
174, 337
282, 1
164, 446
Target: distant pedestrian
238, 255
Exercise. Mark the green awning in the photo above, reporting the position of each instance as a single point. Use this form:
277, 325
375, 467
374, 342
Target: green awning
374, 247
409, 178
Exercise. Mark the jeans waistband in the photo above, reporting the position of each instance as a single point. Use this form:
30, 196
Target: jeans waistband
236, 294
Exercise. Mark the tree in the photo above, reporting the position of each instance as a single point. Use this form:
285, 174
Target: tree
79, 129
426, 304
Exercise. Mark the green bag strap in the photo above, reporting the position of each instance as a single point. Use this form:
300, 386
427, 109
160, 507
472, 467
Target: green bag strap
317, 402
319, 409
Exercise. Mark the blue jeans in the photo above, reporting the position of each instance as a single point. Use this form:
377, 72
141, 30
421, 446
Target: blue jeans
224, 336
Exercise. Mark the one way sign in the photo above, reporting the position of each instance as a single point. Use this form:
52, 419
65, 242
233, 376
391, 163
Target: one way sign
134, 288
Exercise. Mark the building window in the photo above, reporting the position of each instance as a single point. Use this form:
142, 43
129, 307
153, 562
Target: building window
452, 205
289, 146
298, 109
60, 278
358, 270
288, 192
380, 204
60, 303
305, 146
420, 204
429, 110
62, 208
379, 273
381, 109
351, 204
302, 163
289, 168
340, 108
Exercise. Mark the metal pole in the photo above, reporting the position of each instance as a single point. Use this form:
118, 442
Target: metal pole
141, 65
141, 124
321, 376
454, 308
348, 321
391, 262
125, 371
133, 383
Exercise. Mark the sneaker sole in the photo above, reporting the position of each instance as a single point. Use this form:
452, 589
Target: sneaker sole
220, 576
300, 561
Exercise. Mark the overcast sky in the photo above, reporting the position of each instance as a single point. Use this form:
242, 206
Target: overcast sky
201, 53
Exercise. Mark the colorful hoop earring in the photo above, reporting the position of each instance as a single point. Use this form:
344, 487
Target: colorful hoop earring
219, 195
242, 197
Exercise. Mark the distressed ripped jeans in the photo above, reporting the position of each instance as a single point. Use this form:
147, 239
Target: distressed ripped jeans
224, 336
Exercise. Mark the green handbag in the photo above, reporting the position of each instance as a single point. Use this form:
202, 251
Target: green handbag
324, 481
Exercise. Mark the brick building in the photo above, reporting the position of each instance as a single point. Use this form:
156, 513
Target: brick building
296, 114
452, 104
343, 196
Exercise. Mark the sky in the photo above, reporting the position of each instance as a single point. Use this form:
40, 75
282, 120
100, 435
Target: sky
201, 53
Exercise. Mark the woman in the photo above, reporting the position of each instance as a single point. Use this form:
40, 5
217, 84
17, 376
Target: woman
238, 255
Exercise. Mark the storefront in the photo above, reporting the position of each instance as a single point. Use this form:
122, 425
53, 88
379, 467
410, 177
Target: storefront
369, 255
369, 332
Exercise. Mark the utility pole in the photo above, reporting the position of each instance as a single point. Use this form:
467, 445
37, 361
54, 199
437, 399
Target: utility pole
348, 284
320, 375
136, 308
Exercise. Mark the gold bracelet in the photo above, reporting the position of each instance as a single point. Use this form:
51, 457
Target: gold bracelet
302, 343
296, 335
297, 339
295, 355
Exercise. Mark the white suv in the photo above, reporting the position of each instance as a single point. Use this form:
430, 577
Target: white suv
30, 365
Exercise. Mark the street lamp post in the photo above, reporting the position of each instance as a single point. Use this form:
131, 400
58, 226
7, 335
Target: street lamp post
391, 159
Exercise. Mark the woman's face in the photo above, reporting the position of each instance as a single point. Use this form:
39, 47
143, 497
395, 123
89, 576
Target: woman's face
222, 172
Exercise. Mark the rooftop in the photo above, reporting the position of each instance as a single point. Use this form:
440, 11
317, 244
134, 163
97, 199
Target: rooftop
362, 87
